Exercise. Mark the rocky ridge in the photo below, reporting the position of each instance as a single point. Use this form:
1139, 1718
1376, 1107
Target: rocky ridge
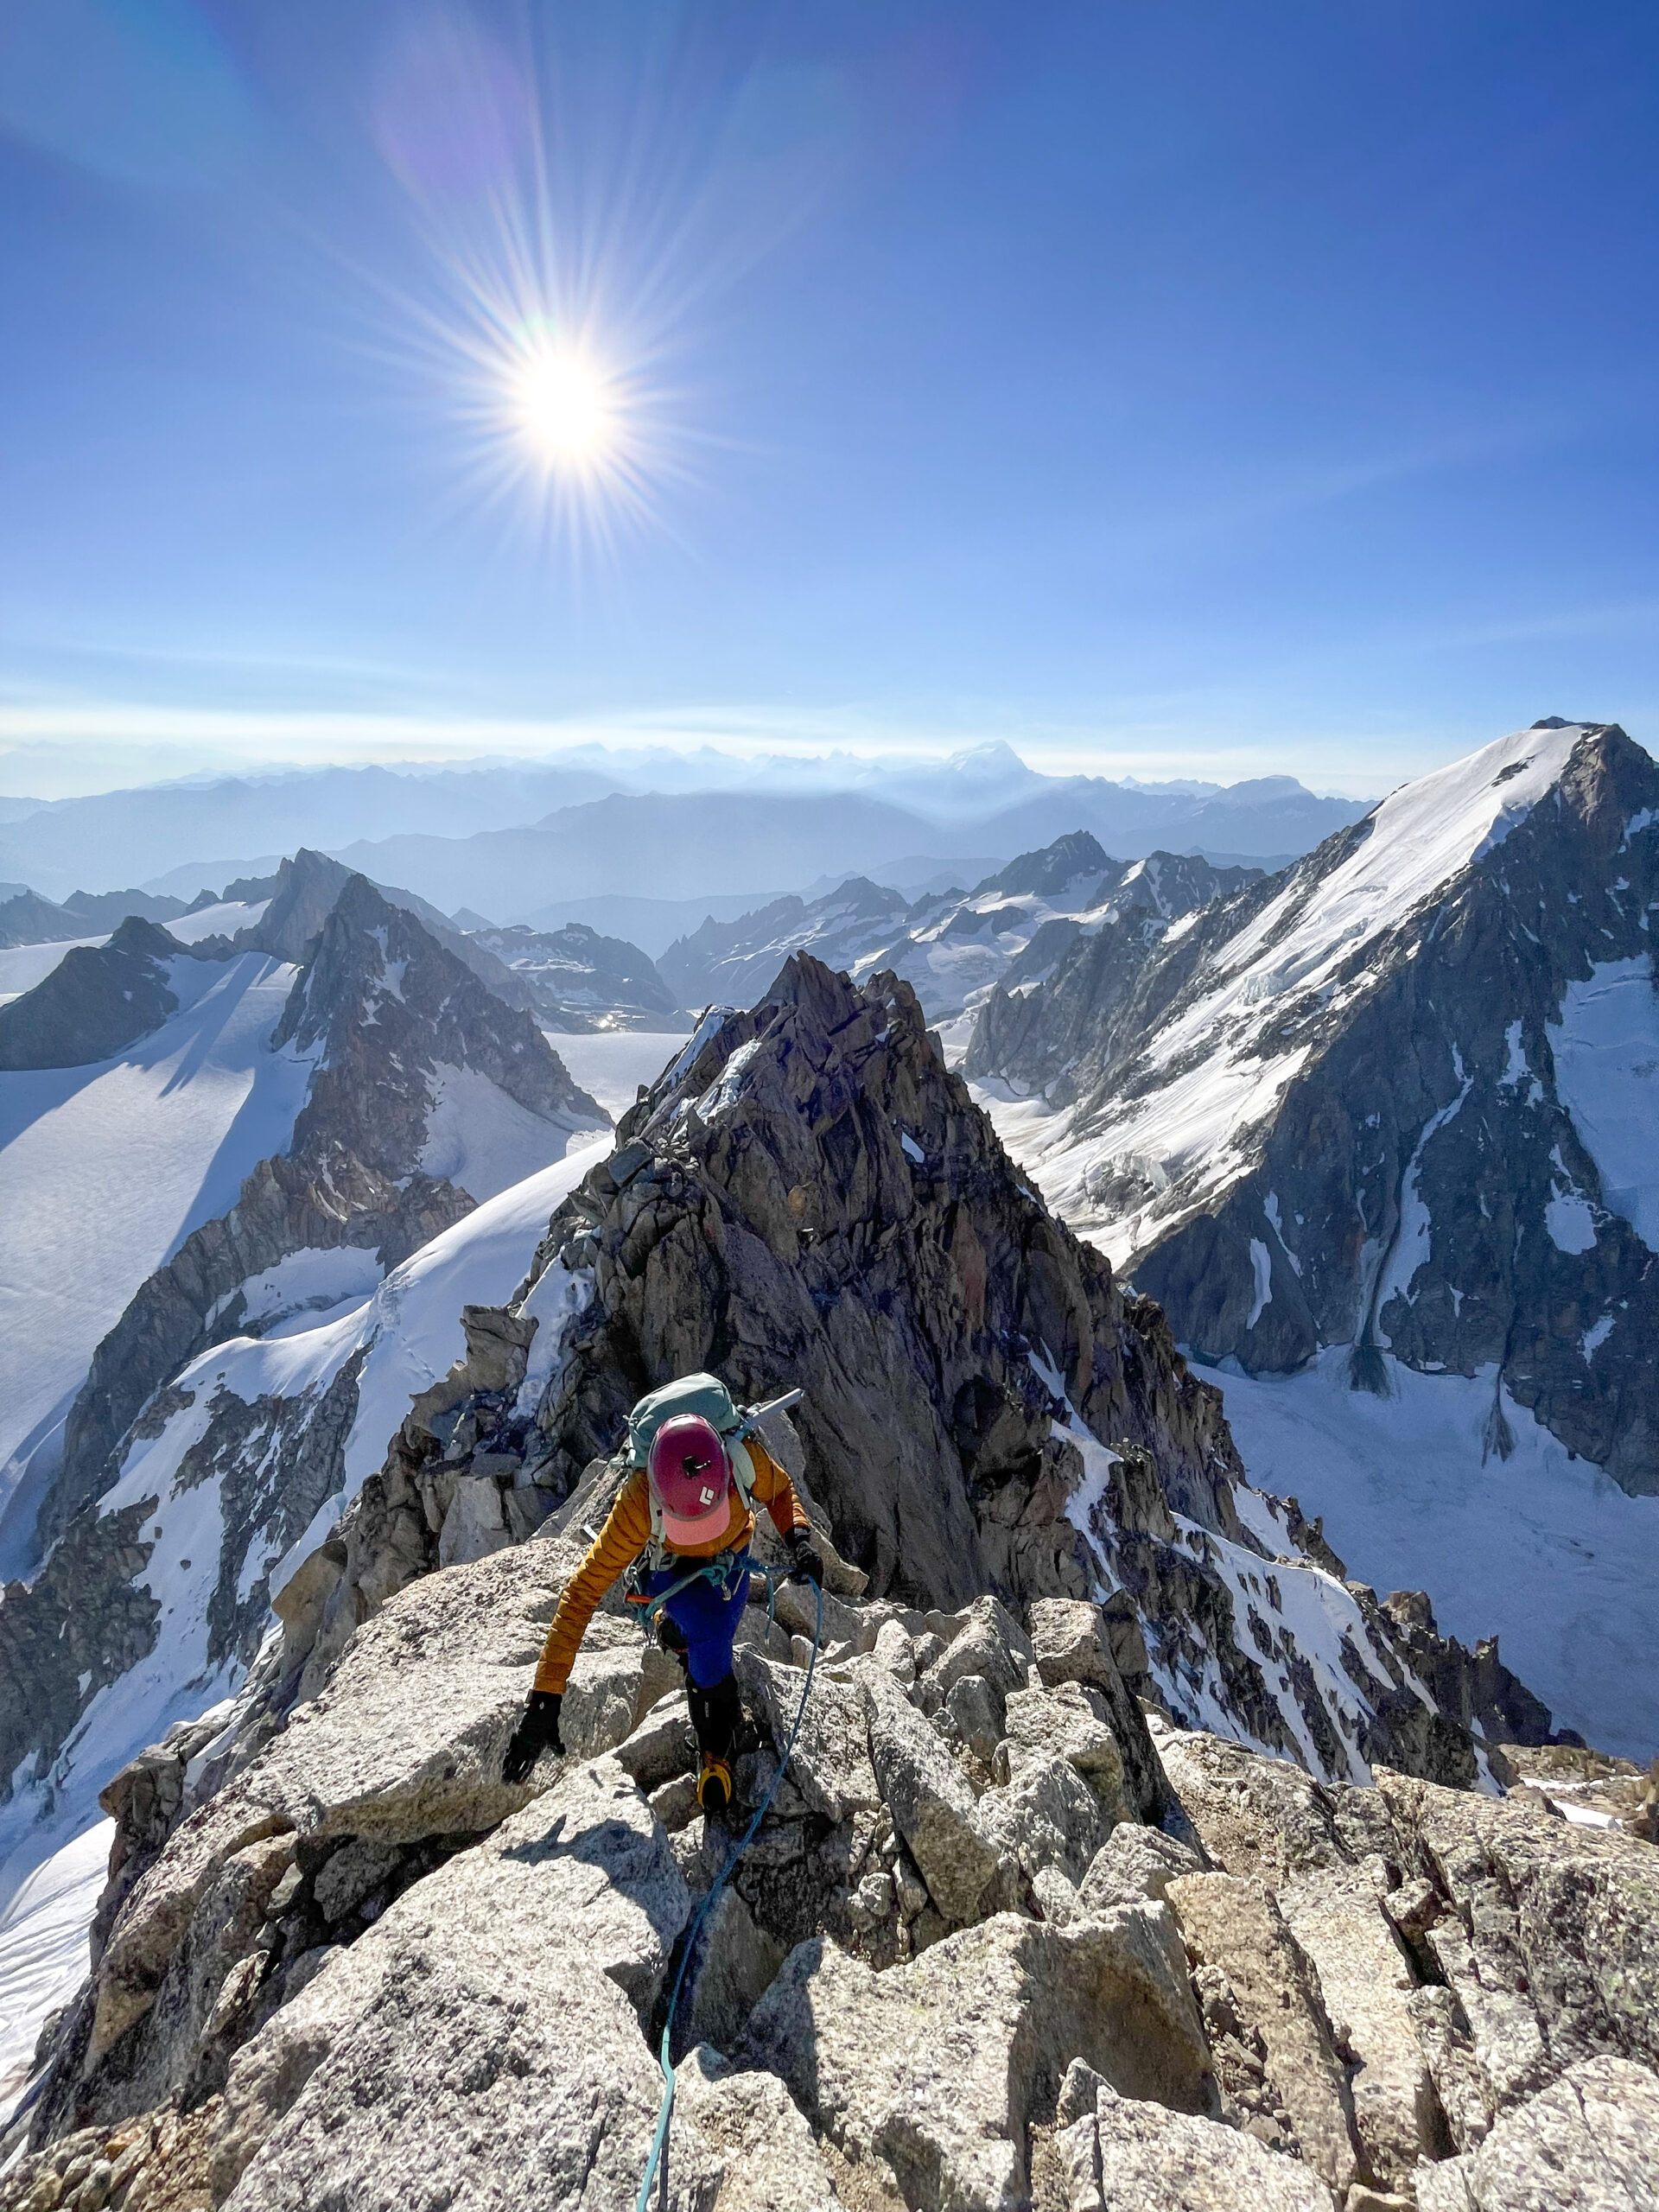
1010, 1936
27, 918
1376, 1101
1076, 1958
99, 999
807, 1199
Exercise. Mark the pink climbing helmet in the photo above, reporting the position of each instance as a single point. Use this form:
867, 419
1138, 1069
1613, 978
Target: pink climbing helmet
690, 1474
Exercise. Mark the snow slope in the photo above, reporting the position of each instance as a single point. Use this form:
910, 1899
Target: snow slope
410, 1326
105, 1171
216, 921
1213, 1073
22, 966
1606, 1054
43, 1946
1547, 1553
481, 1138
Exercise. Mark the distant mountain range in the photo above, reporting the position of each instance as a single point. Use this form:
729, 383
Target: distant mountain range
513, 842
951, 947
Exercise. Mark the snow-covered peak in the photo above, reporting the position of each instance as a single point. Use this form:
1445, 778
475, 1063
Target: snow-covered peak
1178, 1125
1419, 838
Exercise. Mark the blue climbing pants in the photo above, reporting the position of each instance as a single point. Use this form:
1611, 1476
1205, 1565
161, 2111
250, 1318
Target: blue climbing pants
707, 1618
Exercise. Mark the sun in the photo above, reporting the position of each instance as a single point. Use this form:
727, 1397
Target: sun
569, 410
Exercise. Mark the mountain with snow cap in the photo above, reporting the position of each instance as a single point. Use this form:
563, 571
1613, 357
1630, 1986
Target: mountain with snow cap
1397, 1107
414, 1095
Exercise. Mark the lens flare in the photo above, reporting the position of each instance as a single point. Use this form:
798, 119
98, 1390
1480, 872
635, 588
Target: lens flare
569, 410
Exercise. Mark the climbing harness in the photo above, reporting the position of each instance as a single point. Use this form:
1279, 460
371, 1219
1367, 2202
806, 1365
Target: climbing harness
657, 2165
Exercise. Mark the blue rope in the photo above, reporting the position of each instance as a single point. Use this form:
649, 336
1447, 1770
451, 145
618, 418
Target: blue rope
659, 2141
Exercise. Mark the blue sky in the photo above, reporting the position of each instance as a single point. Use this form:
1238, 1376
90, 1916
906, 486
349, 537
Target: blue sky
1168, 387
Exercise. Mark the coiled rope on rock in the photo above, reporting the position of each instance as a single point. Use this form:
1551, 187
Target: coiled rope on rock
657, 2165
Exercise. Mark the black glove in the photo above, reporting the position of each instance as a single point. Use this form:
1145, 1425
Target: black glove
804, 1564
538, 1732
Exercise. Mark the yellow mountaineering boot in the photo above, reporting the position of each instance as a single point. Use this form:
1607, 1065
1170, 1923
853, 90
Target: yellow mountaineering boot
715, 1784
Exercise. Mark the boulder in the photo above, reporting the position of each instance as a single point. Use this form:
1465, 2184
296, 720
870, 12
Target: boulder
895, 1649
936, 2071
830, 1765
752, 2138
974, 1716
1365, 1979
735, 1963
1071, 1643
662, 1746
1587, 2141
1548, 1933
482, 2042
401, 1748
1072, 1722
988, 1641
476, 1523
933, 1809
1257, 1817
1134, 1863
1127, 2152
1278, 2068
1047, 1816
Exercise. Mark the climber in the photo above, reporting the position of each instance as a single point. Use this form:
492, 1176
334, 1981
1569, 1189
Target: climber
688, 1510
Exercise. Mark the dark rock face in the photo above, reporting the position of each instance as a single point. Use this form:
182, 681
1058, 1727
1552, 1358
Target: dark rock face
89, 1616
593, 981
98, 1000
383, 1006
1049, 869
775, 1222
304, 892
1407, 1190
809, 1199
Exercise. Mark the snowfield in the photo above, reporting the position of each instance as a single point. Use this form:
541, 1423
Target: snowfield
410, 1325
44, 1957
610, 1065
22, 966
105, 1170
1606, 1054
1547, 1553
483, 1141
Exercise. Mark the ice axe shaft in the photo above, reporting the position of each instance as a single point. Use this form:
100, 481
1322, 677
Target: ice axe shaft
756, 1414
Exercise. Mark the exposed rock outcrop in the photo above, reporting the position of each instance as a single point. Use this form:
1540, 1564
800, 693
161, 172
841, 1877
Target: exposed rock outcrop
98, 1000
586, 980
363, 1967
950, 946
386, 1019
380, 1010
